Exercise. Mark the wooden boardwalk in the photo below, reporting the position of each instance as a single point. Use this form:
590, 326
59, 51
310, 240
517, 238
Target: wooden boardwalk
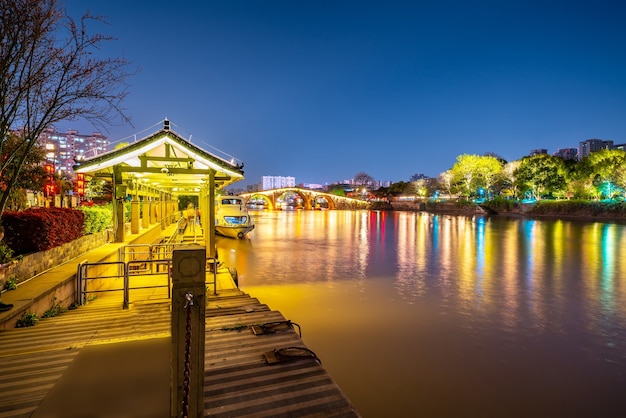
101, 360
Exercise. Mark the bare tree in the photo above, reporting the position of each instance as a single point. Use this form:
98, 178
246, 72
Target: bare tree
49, 72
363, 179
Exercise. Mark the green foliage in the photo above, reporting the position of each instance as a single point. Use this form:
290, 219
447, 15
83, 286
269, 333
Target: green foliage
11, 283
185, 200
541, 175
127, 211
236, 327
55, 309
28, 319
97, 218
399, 188
500, 204
472, 172
337, 191
6, 253
578, 208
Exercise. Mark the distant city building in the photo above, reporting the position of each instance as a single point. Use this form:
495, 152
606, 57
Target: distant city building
418, 176
620, 147
277, 182
312, 186
62, 148
538, 151
567, 153
592, 145
251, 188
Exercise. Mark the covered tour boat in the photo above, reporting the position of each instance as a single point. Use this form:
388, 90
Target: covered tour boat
231, 217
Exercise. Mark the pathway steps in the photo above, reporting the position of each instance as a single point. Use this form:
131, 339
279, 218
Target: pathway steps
48, 369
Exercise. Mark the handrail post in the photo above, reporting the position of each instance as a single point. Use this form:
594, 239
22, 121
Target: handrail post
79, 283
126, 303
187, 330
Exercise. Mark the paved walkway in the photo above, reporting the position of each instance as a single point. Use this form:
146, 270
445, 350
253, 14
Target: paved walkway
100, 360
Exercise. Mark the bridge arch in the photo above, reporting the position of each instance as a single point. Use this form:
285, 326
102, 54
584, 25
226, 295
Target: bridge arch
271, 204
309, 198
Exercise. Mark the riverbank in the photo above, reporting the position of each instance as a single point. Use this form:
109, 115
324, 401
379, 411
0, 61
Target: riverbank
561, 209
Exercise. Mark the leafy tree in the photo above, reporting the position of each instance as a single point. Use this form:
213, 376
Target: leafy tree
472, 172
541, 175
337, 189
48, 74
605, 167
509, 179
398, 188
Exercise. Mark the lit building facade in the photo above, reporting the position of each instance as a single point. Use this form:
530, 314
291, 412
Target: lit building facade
61, 148
567, 153
277, 182
591, 145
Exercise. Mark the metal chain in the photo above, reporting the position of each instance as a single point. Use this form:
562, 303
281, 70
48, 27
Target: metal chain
188, 305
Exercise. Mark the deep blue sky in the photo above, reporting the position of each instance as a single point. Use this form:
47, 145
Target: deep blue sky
321, 90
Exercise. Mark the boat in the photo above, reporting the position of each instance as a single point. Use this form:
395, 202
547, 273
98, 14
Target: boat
231, 217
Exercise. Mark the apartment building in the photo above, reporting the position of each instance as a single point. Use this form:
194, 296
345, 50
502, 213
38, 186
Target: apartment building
277, 182
591, 145
62, 147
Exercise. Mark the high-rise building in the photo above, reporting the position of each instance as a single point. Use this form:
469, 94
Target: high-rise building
567, 153
277, 182
540, 151
62, 148
591, 145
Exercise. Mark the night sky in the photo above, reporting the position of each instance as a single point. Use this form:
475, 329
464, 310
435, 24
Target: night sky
321, 90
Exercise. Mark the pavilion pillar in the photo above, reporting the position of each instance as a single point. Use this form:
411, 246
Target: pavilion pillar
145, 213
119, 194
134, 215
150, 211
209, 227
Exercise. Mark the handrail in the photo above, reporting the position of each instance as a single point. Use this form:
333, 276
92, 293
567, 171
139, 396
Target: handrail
127, 272
82, 275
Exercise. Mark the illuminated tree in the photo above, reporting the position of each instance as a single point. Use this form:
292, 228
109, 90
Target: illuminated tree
606, 169
472, 172
541, 175
49, 73
509, 179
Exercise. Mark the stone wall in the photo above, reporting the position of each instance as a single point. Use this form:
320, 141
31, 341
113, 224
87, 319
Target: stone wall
34, 264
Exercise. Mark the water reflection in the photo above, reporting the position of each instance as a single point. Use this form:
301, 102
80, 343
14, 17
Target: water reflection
521, 308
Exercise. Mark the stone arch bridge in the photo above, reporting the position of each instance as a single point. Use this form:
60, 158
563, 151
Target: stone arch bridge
310, 199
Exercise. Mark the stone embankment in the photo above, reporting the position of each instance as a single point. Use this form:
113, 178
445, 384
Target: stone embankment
561, 209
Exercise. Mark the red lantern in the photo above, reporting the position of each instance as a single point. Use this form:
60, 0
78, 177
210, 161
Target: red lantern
80, 184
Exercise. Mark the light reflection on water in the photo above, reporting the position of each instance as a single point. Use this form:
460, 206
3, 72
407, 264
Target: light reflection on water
435, 315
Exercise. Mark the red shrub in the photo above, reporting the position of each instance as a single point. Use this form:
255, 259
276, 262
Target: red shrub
40, 229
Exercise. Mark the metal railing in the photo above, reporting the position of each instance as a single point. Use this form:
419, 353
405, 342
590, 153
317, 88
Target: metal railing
152, 270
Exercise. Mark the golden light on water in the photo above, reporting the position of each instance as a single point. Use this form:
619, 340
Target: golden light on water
444, 304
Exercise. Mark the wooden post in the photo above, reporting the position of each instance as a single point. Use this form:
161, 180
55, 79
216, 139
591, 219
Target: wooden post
187, 328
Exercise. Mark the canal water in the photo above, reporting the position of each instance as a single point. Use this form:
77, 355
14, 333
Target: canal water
423, 315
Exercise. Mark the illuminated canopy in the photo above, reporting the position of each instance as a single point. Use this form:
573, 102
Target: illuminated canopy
165, 161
